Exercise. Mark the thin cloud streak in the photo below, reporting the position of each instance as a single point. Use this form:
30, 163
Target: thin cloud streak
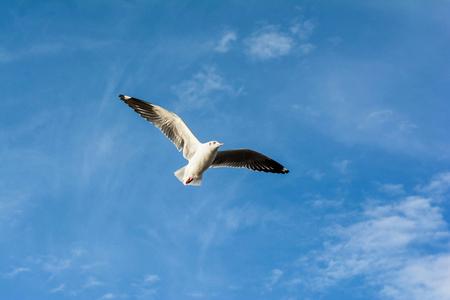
60, 288
224, 45
16, 271
274, 278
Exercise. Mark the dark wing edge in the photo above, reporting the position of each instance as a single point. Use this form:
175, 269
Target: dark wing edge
170, 124
246, 158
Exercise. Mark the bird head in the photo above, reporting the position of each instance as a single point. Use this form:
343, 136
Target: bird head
214, 144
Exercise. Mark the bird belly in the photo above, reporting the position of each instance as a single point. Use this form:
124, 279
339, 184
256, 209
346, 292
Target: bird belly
199, 163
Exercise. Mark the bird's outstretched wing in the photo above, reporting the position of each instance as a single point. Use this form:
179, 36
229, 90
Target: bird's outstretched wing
168, 122
246, 158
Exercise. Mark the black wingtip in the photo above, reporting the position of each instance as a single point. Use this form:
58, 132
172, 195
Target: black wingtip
124, 97
284, 171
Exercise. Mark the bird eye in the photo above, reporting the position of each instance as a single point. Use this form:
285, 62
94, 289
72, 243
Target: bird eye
215, 142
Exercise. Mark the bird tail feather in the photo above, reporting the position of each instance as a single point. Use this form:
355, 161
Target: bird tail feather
180, 174
181, 177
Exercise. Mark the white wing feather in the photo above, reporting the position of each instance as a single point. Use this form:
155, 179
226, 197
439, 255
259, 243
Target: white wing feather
168, 122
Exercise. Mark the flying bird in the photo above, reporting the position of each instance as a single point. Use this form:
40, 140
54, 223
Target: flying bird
200, 156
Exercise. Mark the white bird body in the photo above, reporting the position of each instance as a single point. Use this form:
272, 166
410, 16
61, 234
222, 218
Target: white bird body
200, 156
201, 161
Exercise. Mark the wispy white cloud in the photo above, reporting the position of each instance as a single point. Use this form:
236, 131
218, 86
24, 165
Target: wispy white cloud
344, 115
56, 265
91, 266
65, 267
16, 271
12, 207
385, 247
438, 185
303, 29
202, 88
353, 107
392, 189
108, 296
60, 288
196, 295
335, 41
386, 120
224, 45
234, 219
151, 279
342, 166
423, 278
269, 42
92, 282
306, 48
321, 202
147, 287
315, 174
78, 251
274, 278
383, 238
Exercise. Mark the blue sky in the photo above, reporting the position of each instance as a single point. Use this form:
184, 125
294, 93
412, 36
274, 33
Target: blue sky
352, 96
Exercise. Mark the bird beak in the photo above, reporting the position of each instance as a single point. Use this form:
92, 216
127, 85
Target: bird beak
220, 144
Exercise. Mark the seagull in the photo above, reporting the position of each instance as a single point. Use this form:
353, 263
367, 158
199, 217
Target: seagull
200, 156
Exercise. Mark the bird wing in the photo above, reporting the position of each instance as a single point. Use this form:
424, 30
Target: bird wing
246, 158
168, 122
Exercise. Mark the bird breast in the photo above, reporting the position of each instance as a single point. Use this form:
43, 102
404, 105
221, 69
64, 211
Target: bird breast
202, 160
